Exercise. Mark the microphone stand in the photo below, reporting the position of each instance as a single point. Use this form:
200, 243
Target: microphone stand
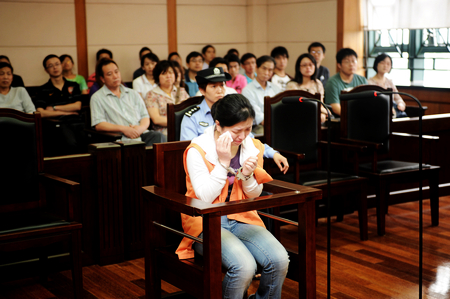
375, 93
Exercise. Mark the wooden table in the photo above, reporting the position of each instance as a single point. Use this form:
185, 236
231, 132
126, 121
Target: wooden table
207, 283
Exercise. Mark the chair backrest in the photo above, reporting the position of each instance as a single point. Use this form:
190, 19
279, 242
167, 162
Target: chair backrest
293, 127
368, 119
175, 115
21, 160
168, 168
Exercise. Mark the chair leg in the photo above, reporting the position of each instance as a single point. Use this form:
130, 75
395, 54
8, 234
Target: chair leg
433, 181
362, 214
381, 205
77, 274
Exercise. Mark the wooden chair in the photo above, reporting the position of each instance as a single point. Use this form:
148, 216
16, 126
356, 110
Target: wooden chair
368, 122
32, 214
295, 130
203, 279
175, 115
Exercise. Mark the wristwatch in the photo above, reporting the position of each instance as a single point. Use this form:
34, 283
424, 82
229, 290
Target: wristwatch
54, 109
242, 177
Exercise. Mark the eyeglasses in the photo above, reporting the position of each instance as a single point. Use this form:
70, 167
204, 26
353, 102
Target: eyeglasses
53, 65
316, 52
348, 61
307, 65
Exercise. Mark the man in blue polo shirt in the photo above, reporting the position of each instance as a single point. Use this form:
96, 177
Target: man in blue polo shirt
211, 83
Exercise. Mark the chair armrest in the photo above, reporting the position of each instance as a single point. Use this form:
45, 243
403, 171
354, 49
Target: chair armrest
352, 147
102, 133
371, 145
71, 191
428, 137
290, 194
297, 156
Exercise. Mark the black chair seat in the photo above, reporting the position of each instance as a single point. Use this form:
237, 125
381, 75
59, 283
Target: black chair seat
29, 222
388, 166
316, 177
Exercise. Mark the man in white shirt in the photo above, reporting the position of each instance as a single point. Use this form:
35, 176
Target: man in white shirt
280, 78
259, 88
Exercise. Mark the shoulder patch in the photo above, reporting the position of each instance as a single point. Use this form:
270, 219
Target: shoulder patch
192, 111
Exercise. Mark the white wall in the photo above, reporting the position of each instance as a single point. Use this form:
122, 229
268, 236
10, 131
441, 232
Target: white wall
36, 28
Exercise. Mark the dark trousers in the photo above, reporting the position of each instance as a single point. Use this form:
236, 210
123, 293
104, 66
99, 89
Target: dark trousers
153, 137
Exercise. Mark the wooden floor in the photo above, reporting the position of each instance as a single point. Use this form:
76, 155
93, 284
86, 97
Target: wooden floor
383, 267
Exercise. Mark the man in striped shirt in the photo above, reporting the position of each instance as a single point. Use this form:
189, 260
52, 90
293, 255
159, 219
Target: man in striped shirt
116, 108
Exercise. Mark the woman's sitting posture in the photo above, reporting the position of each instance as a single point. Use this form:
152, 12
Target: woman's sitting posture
166, 92
383, 65
305, 79
225, 164
13, 97
67, 62
143, 84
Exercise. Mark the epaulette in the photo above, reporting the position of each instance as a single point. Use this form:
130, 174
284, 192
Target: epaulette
192, 111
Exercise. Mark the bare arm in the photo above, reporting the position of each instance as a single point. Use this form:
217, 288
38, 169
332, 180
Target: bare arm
157, 118
68, 107
336, 108
51, 113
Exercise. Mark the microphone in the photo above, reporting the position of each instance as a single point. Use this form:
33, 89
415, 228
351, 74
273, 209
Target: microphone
358, 95
295, 100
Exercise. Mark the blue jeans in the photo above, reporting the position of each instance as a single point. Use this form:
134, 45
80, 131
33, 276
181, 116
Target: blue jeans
243, 247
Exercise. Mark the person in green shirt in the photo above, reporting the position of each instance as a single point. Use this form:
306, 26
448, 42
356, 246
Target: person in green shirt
67, 63
345, 79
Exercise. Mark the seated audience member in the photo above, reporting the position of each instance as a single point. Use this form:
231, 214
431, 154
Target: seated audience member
194, 63
60, 99
225, 164
238, 81
102, 53
383, 65
248, 61
280, 78
305, 79
165, 92
140, 71
345, 79
261, 87
194, 123
233, 51
174, 56
317, 50
180, 78
208, 52
146, 82
220, 62
13, 97
67, 63
17, 80
116, 108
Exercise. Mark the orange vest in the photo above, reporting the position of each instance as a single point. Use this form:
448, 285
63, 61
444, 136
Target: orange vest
194, 226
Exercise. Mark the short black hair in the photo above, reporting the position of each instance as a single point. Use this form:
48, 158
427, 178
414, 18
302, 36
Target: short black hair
261, 60
161, 68
100, 64
279, 51
316, 44
44, 62
345, 52
104, 51
173, 54
247, 56
232, 58
218, 60
5, 57
298, 75
64, 56
150, 56
205, 48
193, 54
5, 64
143, 50
233, 51
379, 59
232, 109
